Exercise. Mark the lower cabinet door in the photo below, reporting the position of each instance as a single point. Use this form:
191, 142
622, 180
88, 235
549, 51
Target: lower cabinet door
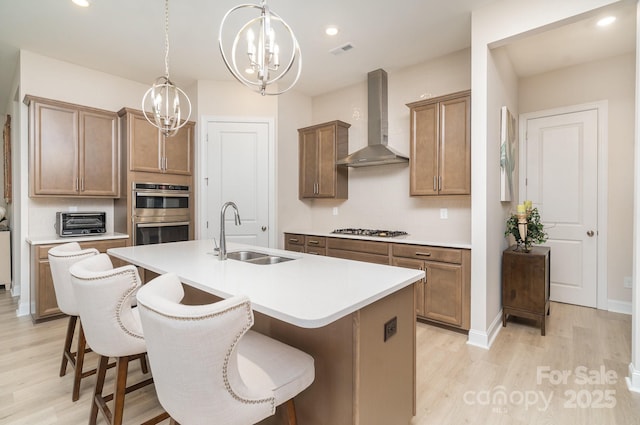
443, 293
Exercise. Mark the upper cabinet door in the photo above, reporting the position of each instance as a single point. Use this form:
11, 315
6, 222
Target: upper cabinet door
99, 154
177, 151
74, 150
440, 162
455, 147
320, 147
54, 139
144, 144
423, 158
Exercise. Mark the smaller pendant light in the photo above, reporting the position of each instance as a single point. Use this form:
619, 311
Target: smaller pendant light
163, 98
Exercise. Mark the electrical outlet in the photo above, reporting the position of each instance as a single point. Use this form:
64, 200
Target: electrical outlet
444, 213
73, 209
390, 328
335, 210
628, 282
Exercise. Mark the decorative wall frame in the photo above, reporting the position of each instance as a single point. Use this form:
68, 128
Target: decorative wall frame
6, 137
508, 154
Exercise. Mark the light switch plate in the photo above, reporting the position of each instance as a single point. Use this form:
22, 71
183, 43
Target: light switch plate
444, 213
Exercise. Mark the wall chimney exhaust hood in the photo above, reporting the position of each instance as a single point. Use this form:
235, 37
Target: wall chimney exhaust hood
376, 152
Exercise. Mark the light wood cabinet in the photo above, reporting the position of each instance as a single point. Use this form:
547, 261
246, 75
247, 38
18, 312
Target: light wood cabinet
150, 151
315, 245
526, 283
444, 294
320, 146
294, 242
440, 145
359, 250
44, 304
74, 150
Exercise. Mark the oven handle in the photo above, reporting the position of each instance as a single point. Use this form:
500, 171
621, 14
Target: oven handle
163, 224
163, 195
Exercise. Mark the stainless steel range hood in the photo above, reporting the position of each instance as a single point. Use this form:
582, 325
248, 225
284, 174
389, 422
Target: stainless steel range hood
376, 152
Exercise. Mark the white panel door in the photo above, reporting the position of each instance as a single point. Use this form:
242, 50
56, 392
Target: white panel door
562, 181
238, 171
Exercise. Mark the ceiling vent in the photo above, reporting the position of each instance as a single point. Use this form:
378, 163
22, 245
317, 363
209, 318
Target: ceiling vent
341, 49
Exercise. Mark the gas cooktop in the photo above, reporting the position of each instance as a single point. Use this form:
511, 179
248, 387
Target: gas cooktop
370, 232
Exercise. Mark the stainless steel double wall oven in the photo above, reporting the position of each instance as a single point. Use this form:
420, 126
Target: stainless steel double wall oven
160, 213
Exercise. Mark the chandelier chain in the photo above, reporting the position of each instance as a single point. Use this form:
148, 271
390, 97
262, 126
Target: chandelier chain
166, 38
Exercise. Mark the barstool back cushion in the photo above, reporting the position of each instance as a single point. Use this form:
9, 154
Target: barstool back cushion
104, 294
61, 258
193, 356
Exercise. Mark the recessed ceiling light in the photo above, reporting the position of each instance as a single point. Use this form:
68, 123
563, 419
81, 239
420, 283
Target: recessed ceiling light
606, 21
81, 3
331, 30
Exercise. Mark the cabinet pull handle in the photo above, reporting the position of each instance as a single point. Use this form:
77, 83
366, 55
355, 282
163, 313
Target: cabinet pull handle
423, 254
82, 184
313, 253
76, 186
435, 187
314, 242
439, 182
293, 239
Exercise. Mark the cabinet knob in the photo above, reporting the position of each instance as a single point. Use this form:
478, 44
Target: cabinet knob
590, 233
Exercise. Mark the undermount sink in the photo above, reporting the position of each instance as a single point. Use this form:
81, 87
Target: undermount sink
255, 257
245, 255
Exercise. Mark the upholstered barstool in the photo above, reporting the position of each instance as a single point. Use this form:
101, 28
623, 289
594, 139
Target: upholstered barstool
112, 328
208, 367
61, 258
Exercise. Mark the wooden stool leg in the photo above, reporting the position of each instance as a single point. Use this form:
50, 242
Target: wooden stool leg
97, 393
122, 366
66, 352
80, 350
291, 412
143, 364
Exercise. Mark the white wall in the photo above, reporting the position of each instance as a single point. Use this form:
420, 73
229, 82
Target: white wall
491, 26
379, 195
612, 79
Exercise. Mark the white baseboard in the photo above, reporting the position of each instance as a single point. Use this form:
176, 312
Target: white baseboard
485, 339
616, 306
23, 309
633, 380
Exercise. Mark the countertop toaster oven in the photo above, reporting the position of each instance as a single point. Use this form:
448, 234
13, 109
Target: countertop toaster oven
80, 223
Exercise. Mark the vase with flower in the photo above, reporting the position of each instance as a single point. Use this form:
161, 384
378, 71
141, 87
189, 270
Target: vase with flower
525, 227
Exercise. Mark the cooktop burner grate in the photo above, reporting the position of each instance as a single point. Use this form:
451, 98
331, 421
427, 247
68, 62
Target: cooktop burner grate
370, 232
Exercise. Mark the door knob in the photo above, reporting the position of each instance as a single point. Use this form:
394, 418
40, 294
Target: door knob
590, 233
264, 228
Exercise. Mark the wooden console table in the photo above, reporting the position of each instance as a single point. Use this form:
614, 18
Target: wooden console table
525, 284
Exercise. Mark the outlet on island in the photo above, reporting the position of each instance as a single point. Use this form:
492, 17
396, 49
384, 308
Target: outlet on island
390, 328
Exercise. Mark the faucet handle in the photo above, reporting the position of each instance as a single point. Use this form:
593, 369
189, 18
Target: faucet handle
215, 243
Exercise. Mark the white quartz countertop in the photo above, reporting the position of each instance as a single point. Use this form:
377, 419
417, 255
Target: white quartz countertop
310, 291
406, 239
48, 239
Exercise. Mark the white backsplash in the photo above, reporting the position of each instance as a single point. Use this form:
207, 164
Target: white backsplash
42, 212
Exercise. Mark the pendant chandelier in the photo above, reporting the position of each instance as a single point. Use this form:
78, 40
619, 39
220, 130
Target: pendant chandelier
164, 98
260, 64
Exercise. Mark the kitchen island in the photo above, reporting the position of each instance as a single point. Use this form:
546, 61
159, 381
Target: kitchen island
356, 319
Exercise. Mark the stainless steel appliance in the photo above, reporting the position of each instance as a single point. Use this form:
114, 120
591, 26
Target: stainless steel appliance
80, 223
371, 232
160, 213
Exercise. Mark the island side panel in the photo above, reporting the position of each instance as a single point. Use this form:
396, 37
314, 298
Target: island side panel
329, 399
386, 370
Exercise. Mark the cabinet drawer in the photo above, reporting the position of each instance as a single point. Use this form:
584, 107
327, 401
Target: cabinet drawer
315, 242
293, 239
370, 247
445, 255
359, 256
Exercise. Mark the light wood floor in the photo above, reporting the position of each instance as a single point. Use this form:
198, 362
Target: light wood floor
457, 383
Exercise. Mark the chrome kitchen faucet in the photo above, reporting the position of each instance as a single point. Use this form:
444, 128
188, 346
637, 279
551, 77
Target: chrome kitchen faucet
222, 254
